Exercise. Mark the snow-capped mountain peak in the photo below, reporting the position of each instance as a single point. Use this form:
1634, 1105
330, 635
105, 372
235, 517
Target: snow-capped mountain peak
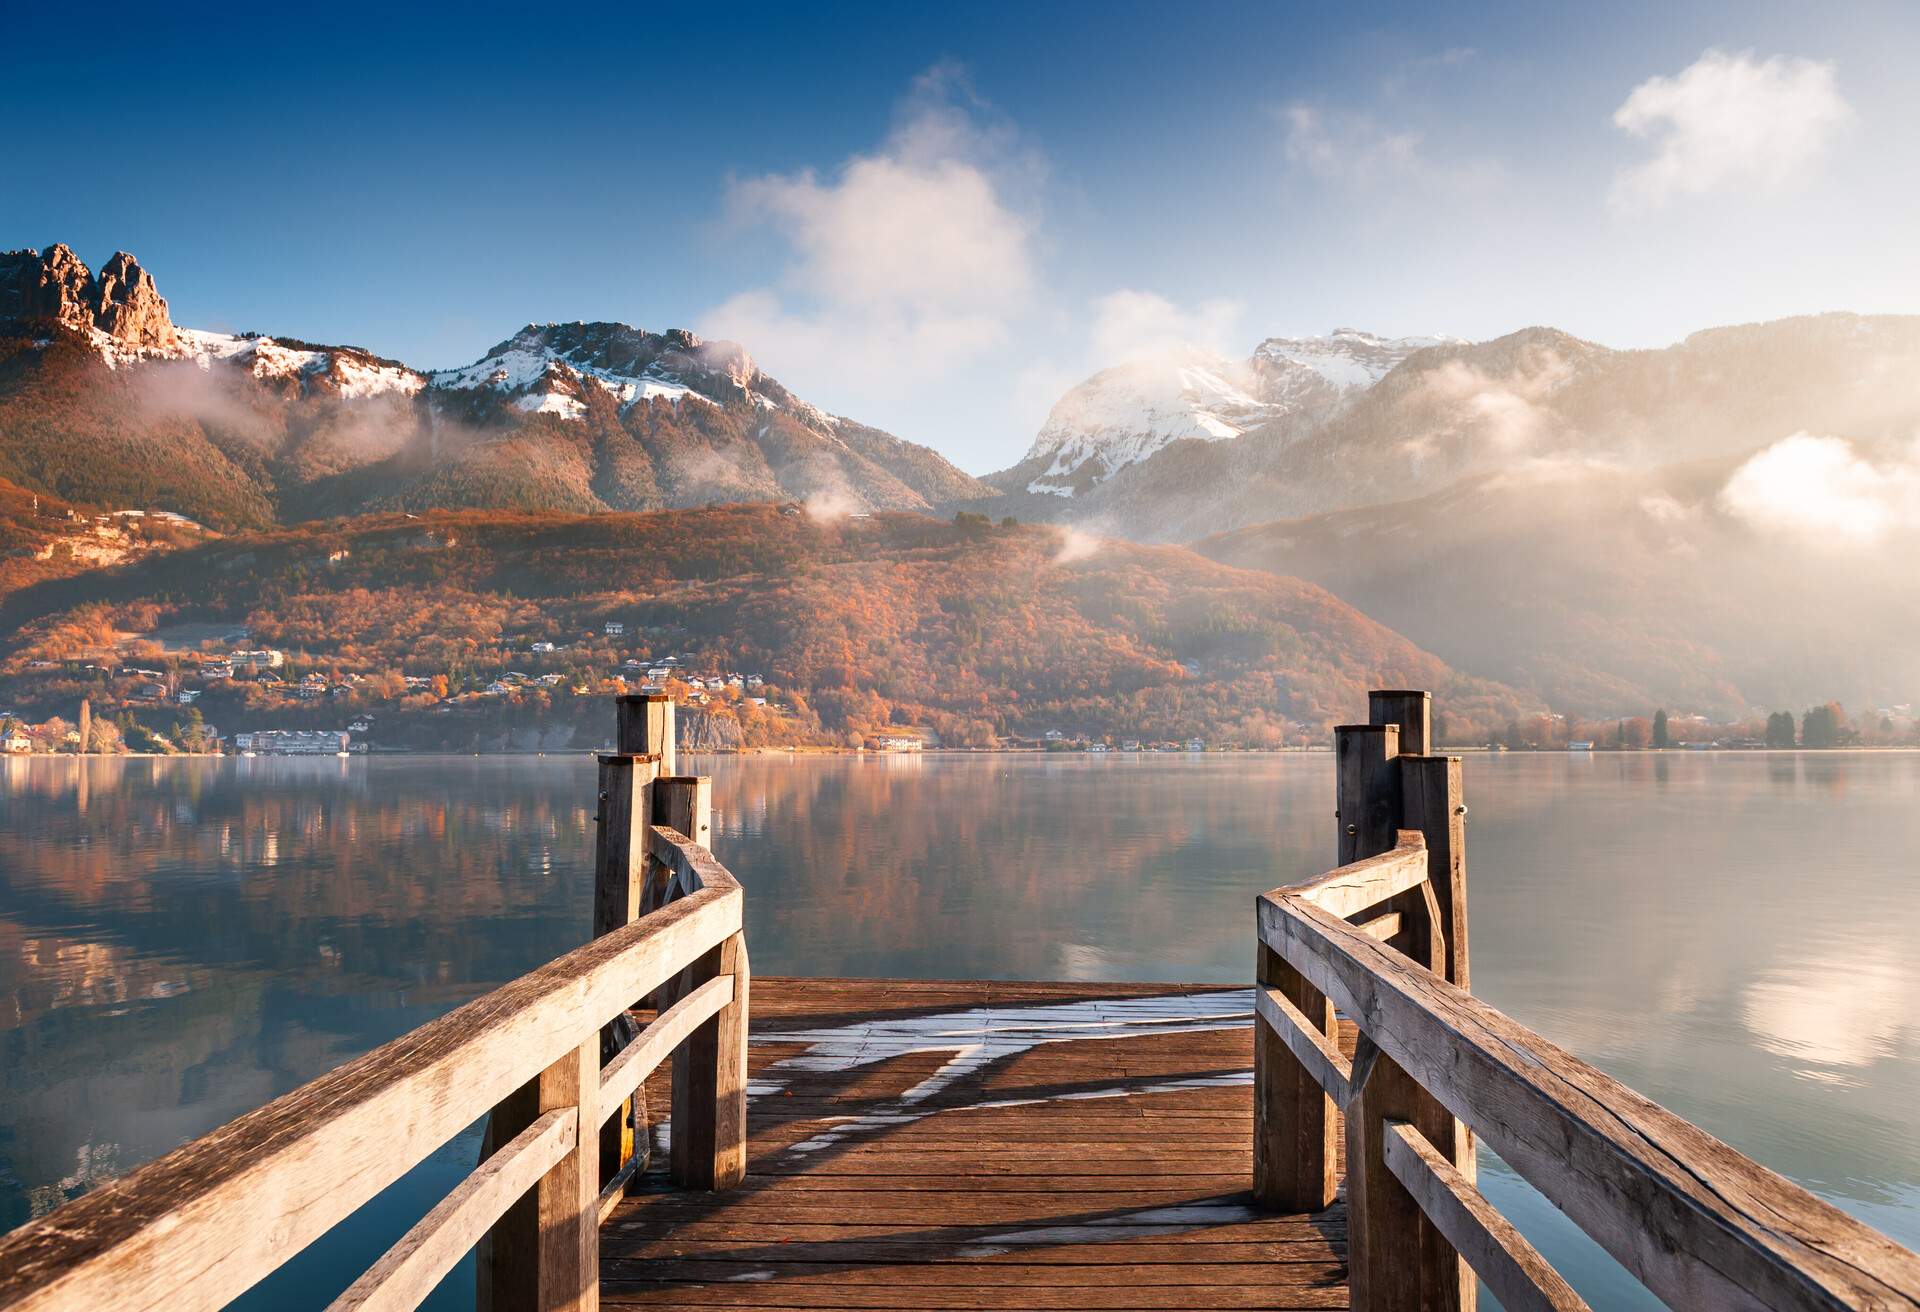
1346, 358
1122, 416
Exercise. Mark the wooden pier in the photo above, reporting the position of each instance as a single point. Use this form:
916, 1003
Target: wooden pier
663, 1130
985, 1145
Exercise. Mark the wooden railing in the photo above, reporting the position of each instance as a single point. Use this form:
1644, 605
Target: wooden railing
204, 1223
1432, 1067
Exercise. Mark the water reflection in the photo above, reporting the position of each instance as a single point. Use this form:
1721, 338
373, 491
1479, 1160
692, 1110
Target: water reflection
1735, 935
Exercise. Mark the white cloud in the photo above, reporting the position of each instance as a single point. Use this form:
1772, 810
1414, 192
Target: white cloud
906, 263
1727, 119
1346, 147
1129, 324
1826, 492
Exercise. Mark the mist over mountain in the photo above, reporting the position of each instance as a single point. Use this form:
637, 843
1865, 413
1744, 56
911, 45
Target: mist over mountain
1451, 410
104, 399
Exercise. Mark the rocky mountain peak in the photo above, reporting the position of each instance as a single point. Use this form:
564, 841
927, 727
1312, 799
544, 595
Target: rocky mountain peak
123, 303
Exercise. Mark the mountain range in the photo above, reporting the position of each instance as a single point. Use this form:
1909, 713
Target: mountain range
104, 399
1381, 421
1720, 525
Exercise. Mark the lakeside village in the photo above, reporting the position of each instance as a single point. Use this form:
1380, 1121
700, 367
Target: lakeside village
287, 704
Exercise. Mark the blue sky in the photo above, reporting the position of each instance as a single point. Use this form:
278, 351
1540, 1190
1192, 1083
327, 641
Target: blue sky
935, 218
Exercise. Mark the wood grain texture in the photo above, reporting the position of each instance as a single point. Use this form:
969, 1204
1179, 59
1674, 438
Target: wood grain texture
621, 1076
196, 1227
1512, 1268
644, 726
1370, 881
1307, 1042
1058, 1198
408, 1271
1700, 1225
1410, 712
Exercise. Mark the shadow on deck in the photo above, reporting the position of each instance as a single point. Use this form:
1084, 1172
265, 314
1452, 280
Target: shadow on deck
984, 1145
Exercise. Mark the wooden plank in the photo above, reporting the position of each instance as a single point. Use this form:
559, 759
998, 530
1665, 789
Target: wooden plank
1370, 881
197, 1227
657, 1041
1307, 1043
408, 1272
792, 1294
1700, 1225
1383, 927
1519, 1277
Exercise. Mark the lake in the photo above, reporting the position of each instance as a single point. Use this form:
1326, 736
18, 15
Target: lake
1735, 935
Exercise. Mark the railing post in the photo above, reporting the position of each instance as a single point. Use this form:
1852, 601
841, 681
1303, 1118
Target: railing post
568, 1196
709, 1148
1293, 1122
620, 880
544, 1252
709, 1140
1397, 1259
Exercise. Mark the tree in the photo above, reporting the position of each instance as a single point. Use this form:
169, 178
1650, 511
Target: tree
1660, 736
1780, 729
1823, 726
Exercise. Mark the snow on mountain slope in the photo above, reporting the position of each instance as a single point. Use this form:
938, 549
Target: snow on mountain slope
544, 367
1121, 416
351, 374
1347, 360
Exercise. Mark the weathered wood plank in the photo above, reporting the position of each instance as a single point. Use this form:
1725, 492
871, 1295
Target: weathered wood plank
197, 1227
1513, 1269
1307, 1043
408, 1272
1366, 882
1700, 1225
656, 1042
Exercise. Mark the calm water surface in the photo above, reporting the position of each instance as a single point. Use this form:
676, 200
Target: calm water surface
1736, 936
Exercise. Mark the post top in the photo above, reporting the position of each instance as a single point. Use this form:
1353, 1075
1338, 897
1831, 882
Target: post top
1365, 728
645, 696
1399, 692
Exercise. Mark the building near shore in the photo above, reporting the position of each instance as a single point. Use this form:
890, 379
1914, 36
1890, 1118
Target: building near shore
292, 742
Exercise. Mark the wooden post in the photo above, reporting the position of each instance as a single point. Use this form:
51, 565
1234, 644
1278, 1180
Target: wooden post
1366, 789
1431, 801
683, 802
619, 891
645, 727
544, 1252
567, 1199
1412, 711
1294, 1126
709, 1149
1398, 1261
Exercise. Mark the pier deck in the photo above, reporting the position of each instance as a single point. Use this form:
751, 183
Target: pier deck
984, 1145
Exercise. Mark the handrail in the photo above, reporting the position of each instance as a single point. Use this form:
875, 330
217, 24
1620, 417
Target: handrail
1699, 1225
199, 1226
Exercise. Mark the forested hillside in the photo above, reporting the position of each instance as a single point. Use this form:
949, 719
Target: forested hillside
971, 630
